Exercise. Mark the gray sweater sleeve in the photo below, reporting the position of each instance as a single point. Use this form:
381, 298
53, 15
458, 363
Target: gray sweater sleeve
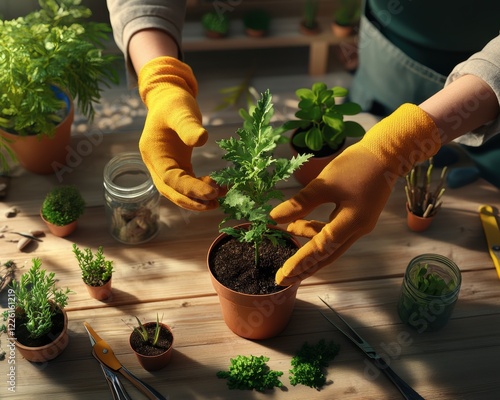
130, 16
484, 64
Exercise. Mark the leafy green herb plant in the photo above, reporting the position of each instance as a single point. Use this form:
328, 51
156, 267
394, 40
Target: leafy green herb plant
251, 372
310, 361
215, 22
431, 283
252, 175
38, 300
63, 205
96, 270
53, 46
320, 120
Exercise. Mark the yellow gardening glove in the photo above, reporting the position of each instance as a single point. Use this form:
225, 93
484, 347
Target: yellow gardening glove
173, 127
359, 182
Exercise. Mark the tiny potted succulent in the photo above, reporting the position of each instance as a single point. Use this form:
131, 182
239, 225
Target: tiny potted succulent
152, 343
40, 319
257, 22
51, 57
346, 18
244, 258
423, 201
61, 209
309, 24
96, 271
320, 128
216, 24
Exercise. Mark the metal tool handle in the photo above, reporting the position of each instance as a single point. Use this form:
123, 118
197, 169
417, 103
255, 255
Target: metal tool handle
148, 390
403, 387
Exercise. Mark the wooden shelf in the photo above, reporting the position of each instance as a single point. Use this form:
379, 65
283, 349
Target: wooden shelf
284, 32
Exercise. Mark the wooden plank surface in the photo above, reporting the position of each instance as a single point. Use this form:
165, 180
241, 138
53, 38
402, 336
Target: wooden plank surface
168, 276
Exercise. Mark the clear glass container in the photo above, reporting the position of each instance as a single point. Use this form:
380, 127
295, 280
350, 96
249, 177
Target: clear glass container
132, 201
429, 291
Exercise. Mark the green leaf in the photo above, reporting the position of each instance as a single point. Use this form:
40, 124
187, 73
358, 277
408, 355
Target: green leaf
349, 108
353, 129
314, 139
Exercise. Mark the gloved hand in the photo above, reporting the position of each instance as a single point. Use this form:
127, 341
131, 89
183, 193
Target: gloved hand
359, 182
173, 127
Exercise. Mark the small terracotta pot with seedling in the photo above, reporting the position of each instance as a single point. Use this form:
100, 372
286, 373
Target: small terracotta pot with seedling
422, 200
96, 272
152, 343
61, 209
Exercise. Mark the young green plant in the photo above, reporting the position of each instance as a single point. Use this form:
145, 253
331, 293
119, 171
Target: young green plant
252, 175
96, 270
142, 331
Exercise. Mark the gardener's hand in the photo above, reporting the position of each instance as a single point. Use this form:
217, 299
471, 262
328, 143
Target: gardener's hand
173, 127
359, 182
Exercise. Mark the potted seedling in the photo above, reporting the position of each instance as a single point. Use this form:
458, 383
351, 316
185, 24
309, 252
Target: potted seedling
423, 200
96, 271
257, 22
243, 259
216, 24
61, 209
320, 127
309, 24
39, 317
152, 343
50, 57
346, 18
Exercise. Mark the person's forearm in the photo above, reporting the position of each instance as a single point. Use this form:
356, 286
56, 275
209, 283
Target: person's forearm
462, 106
148, 44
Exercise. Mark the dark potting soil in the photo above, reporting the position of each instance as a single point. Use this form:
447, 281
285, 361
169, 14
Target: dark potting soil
23, 335
233, 264
147, 348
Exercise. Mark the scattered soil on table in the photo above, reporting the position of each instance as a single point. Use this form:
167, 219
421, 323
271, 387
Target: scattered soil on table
233, 264
146, 348
23, 335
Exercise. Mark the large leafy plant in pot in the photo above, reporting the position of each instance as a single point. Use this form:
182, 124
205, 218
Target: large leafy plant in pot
48, 58
320, 127
244, 258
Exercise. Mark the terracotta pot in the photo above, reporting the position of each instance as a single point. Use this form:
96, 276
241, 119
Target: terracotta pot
316, 30
157, 362
42, 154
255, 33
254, 316
342, 31
49, 351
100, 293
312, 167
60, 231
416, 223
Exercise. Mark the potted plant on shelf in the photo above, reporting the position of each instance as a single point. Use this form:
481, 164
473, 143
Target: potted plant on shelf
61, 209
96, 271
216, 24
39, 317
422, 200
257, 22
244, 259
309, 24
346, 18
320, 128
48, 58
152, 343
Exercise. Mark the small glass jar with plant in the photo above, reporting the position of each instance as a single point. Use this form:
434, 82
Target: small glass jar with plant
96, 271
40, 318
430, 289
62, 206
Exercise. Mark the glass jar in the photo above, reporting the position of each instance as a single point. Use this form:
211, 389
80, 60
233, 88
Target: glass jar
132, 201
429, 292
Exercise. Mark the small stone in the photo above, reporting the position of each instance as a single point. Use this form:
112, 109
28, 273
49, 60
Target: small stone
11, 212
22, 243
37, 233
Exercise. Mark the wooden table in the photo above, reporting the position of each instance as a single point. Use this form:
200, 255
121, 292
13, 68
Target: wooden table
169, 276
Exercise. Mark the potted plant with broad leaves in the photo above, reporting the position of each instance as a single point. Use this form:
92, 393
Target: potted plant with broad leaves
152, 343
320, 127
48, 58
215, 24
423, 200
96, 271
39, 316
243, 259
309, 24
61, 209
